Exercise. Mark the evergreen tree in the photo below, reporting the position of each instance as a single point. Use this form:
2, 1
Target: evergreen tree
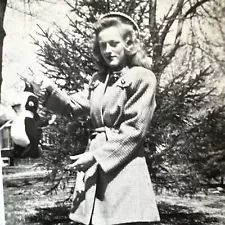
178, 137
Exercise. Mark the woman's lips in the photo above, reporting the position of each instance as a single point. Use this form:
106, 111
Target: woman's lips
111, 57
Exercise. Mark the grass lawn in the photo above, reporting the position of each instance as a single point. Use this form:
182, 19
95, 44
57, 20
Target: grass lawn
26, 204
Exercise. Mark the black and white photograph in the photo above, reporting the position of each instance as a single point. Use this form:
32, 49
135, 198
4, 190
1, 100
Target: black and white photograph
112, 112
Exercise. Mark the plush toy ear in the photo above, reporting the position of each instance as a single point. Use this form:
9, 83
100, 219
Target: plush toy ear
32, 104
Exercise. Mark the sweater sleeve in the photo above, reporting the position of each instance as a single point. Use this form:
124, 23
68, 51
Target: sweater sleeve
74, 105
138, 112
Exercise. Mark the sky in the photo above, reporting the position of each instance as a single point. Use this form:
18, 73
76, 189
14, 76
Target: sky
19, 53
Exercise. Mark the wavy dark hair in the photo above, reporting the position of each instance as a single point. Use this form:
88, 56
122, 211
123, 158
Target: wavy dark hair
136, 56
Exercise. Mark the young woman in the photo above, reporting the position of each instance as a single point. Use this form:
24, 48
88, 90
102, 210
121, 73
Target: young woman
121, 101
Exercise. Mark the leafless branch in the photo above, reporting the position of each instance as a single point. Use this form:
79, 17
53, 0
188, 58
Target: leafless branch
152, 20
193, 8
170, 20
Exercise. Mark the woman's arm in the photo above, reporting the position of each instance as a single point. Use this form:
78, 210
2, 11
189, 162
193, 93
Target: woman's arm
71, 106
59, 101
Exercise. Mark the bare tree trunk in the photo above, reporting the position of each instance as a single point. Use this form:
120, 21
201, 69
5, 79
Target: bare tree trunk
2, 35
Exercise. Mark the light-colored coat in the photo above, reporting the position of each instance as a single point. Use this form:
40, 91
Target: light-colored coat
118, 188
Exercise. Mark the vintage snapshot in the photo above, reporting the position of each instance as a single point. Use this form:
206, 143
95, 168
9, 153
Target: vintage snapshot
112, 112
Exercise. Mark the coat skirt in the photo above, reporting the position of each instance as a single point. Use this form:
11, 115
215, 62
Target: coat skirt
118, 187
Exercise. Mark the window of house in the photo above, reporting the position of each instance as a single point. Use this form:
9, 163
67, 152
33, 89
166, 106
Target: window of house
6, 138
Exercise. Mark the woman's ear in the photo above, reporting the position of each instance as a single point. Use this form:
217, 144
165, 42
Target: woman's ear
130, 46
129, 43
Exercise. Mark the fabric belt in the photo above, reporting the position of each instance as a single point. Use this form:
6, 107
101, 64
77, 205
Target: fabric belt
96, 131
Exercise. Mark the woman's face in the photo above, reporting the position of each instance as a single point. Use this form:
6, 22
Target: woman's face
112, 48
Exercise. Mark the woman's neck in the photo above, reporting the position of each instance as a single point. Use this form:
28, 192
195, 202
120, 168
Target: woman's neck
118, 70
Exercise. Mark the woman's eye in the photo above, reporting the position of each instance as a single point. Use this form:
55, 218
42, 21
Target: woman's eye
102, 45
113, 43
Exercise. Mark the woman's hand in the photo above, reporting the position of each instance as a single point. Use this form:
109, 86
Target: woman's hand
42, 83
83, 162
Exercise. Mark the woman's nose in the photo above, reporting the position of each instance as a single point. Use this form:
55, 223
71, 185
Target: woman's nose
108, 48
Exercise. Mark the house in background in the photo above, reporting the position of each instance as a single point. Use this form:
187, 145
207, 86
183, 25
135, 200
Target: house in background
6, 145
7, 114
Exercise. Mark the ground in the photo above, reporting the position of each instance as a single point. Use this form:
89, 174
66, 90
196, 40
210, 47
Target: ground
27, 204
